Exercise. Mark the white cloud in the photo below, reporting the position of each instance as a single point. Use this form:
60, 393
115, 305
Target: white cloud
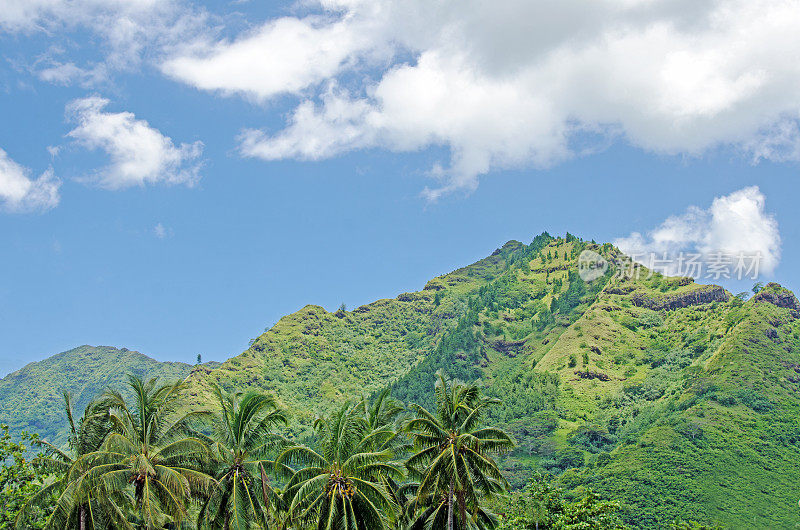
38, 15
139, 153
68, 74
734, 224
20, 193
516, 83
121, 33
284, 56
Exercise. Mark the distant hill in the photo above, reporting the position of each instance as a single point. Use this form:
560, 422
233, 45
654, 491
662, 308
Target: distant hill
30, 398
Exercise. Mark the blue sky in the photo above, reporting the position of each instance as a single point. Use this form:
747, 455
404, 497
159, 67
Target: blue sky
178, 188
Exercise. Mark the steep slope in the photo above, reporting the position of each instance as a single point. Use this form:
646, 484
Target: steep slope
313, 360
723, 441
500, 322
31, 399
674, 397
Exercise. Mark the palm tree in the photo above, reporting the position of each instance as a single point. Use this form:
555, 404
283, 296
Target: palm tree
382, 416
243, 435
344, 484
452, 459
148, 458
423, 512
74, 504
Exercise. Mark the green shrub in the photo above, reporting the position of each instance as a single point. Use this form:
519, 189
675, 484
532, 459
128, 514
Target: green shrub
629, 322
569, 457
752, 399
650, 319
603, 458
592, 438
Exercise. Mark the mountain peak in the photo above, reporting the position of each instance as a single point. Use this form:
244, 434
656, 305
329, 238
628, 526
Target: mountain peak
778, 295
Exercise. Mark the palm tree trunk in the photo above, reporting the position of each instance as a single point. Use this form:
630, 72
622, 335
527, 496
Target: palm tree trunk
450, 507
82, 516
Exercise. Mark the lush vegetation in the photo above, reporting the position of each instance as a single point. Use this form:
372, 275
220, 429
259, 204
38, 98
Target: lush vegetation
145, 462
30, 398
541, 505
20, 478
645, 400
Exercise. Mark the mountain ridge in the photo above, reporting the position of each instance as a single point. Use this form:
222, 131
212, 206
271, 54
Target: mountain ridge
633, 386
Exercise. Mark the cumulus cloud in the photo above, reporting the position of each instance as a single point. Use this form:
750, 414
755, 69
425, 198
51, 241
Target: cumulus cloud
20, 193
139, 154
516, 83
735, 224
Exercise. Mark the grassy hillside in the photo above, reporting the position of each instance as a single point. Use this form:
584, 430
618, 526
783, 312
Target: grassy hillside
312, 360
31, 399
675, 398
717, 439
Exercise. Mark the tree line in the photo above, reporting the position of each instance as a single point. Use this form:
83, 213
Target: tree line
147, 462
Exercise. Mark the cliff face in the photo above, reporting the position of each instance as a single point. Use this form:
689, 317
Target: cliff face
700, 294
776, 295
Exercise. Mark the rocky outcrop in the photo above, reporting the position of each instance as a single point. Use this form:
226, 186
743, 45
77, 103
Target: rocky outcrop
620, 289
592, 375
775, 294
413, 297
508, 347
703, 295
435, 284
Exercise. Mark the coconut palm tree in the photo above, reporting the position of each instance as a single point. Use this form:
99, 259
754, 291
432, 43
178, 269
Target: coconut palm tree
382, 416
75, 505
243, 438
148, 458
431, 511
343, 485
453, 457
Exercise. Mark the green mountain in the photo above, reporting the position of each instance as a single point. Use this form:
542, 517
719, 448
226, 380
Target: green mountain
675, 398
313, 360
31, 397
